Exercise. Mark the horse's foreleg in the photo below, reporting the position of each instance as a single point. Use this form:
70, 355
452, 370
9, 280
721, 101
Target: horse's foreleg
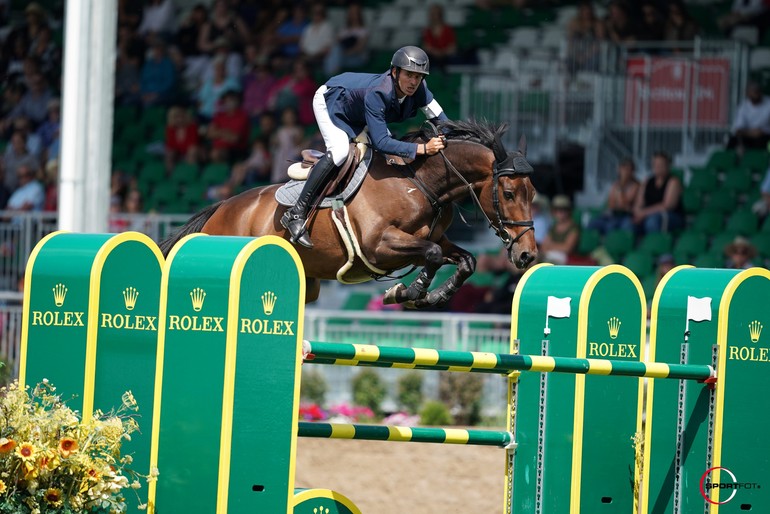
433, 257
466, 265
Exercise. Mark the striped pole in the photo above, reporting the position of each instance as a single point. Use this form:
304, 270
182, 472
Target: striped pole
405, 434
500, 363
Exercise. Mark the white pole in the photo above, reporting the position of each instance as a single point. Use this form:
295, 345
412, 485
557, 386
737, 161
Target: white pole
87, 92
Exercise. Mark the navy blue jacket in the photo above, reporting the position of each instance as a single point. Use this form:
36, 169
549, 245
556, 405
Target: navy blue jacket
359, 100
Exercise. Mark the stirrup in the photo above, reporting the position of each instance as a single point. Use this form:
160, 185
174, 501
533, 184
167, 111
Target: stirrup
295, 224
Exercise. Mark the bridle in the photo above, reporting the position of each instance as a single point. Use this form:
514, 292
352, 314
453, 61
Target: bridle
512, 165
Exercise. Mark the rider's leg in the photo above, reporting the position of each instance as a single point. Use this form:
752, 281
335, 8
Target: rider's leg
336, 141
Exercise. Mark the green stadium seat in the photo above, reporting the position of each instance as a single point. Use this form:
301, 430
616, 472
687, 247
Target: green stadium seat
590, 240
184, 173
215, 173
618, 243
131, 136
721, 160
688, 245
194, 193
722, 201
738, 180
755, 160
743, 222
704, 181
640, 263
708, 222
692, 200
761, 241
153, 171
124, 116
709, 260
656, 243
720, 241
153, 117
649, 283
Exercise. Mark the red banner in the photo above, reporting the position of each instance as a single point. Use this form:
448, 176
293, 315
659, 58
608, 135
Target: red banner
669, 91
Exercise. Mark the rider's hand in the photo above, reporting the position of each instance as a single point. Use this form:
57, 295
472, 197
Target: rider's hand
432, 147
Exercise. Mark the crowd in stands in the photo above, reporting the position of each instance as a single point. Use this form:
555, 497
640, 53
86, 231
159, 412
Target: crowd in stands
230, 83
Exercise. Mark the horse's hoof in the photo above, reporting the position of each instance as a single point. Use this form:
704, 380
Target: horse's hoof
411, 304
391, 295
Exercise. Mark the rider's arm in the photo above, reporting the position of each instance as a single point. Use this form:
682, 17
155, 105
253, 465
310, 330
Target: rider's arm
432, 110
382, 141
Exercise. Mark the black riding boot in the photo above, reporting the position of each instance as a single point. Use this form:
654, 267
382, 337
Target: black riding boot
294, 219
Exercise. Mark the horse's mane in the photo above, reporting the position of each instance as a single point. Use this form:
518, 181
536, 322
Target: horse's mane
481, 132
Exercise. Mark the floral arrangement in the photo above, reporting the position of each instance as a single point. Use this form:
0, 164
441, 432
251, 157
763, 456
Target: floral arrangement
338, 413
53, 462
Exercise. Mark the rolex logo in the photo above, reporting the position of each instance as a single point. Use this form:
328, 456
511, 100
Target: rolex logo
268, 302
59, 294
197, 296
130, 294
614, 325
755, 330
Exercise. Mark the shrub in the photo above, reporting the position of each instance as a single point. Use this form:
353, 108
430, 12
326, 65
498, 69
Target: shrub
463, 392
435, 413
410, 391
368, 390
313, 387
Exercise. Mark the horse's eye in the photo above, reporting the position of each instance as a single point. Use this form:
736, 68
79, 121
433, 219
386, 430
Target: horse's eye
508, 195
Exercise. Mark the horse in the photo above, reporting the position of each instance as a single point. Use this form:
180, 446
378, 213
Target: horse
400, 214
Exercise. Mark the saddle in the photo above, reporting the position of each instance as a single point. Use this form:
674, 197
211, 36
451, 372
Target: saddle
358, 146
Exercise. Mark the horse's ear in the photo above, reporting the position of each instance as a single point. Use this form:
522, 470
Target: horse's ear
523, 145
498, 149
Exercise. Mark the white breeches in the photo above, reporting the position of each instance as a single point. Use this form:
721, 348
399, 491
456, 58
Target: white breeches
336, 139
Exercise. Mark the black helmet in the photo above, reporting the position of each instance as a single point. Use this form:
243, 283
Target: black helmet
411, 58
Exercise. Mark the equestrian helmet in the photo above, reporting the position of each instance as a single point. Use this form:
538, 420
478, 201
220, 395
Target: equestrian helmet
411, 58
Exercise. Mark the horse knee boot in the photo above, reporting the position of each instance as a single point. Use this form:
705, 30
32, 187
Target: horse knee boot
295, 218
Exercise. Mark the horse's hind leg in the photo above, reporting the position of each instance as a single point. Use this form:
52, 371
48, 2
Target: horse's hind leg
466, 265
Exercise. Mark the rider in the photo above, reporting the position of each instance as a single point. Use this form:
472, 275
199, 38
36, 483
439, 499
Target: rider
350, 102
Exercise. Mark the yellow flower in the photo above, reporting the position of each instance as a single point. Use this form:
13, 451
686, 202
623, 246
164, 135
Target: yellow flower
48, 459
67, 446
3, 487
26, 451
7, 445
52, 497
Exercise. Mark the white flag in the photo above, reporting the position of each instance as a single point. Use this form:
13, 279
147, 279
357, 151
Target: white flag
558, 307
698, 309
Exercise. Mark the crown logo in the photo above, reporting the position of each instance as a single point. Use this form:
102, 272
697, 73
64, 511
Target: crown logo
59, 294
130, 294
268, 302
320, 510
614, 325
197, 296
755, 330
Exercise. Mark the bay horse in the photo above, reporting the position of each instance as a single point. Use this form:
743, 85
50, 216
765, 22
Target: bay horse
400, 214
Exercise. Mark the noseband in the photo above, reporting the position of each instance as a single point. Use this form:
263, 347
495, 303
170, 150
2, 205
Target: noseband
515, 166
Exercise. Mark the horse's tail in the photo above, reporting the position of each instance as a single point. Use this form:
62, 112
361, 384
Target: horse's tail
193, 225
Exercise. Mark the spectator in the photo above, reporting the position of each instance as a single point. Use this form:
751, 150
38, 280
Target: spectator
222, 23
17, 155
45, 51
17, 52
34, 145
34, 103
12, 95
257, 84
751, 126
30, 194
48, 131
742, 12
583, 33
740, 253
351, 49
158, 75
182, 140
317, 37
679, 25
439, 39
620, 201
128, 78
652, 27
562, 238
187, 52
762, 206
158, 19
35, 20
256, 168
229, 130
295, 90
658, 205
213, 88
233, 60
129, 14
665, 263
540, 217
618, 26
286, 147
290, 31
51, 185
